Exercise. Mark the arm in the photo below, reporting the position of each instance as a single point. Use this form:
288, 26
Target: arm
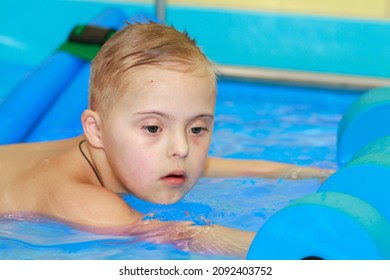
209, 239
118, 218
219, 167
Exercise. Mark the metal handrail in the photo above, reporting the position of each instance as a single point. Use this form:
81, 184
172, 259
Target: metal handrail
160, 10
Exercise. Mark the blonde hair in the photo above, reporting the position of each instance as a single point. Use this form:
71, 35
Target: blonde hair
141, 44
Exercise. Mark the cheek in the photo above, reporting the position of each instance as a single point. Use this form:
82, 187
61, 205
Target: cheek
201, 148
126, 156
202, 144
135, 170
137, 159
141, 162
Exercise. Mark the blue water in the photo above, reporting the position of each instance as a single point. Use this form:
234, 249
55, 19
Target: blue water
253, 120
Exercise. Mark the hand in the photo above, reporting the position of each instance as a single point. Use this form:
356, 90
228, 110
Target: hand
208, 240
302, 172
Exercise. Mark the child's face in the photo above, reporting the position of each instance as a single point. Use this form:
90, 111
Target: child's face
157, 136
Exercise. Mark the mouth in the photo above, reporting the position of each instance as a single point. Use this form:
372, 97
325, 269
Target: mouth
175, 179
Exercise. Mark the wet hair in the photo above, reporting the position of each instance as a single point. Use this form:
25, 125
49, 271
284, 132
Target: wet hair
136, 45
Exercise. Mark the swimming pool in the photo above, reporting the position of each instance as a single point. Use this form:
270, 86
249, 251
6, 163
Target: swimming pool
255, 120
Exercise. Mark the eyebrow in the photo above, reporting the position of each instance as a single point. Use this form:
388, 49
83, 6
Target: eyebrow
166, 116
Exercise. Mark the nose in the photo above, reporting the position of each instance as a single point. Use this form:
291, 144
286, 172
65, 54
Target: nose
179, 147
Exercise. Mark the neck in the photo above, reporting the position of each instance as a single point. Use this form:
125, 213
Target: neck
91, 163
104, 173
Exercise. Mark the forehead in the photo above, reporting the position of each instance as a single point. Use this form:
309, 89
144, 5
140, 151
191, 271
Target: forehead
154, 81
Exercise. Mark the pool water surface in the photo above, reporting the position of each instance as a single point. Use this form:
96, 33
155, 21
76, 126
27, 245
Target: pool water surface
293, 124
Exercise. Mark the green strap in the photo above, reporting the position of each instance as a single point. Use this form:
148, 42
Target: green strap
81, 50
85, 41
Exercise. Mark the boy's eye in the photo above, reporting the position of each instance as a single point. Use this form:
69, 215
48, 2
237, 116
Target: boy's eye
152, 129
197, 130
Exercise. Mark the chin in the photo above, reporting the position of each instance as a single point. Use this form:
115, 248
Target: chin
169, 201
166, 200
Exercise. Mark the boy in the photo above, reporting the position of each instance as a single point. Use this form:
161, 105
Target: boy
147, 132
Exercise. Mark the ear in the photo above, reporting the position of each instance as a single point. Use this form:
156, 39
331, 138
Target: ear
91, 122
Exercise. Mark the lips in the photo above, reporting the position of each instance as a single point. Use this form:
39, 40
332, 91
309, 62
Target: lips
175, 179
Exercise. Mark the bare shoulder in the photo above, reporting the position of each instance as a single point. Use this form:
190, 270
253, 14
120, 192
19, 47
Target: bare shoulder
26, 171
16, 159
90, 205
50, 178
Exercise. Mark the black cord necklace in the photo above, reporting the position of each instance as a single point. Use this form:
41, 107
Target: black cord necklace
90, 163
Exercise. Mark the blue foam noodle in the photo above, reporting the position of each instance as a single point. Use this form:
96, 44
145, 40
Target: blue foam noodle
325, 225
379, 146
63, 118
365, 121
30, 99
367, 178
